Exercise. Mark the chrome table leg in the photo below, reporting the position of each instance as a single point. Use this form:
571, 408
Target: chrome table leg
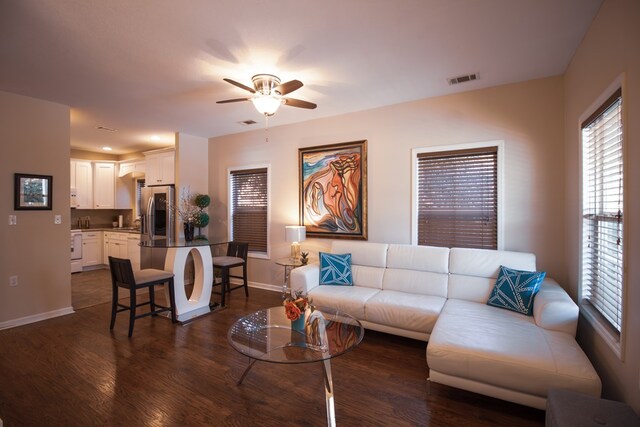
328, 393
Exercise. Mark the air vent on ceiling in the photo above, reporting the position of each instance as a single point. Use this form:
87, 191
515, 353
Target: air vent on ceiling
247, 122
462, 79
106, 128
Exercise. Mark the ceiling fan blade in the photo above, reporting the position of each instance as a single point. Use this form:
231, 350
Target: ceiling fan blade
288, 87
240, 85
299, 103
226, 101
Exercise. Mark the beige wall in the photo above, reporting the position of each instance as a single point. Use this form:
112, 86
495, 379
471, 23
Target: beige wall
527, 116
35, 139
192, 168
611, 47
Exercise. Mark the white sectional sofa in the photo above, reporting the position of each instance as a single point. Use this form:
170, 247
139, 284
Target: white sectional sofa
439, 295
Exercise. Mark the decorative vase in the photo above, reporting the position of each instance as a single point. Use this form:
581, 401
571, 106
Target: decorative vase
298, 325
188, 231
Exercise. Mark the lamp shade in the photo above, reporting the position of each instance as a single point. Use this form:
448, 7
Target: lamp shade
295, 233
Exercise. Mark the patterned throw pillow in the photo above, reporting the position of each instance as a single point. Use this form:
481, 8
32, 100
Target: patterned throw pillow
335, 269
516, 289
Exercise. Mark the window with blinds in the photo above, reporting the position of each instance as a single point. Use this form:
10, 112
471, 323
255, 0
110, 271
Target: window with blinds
249, 207
602, 211
457, 197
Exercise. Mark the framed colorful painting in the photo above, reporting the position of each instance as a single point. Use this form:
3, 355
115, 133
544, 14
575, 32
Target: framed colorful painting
333, 190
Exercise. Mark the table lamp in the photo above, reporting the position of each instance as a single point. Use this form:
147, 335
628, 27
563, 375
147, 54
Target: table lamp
295, 234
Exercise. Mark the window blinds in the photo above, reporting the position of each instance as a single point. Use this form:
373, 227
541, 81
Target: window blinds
602, 219
458, 198
249, 208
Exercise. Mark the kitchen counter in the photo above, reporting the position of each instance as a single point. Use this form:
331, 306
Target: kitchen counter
130, 230
174, 243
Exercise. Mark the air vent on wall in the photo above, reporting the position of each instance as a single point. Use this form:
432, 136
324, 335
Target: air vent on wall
462, 79
247, 122
106, 128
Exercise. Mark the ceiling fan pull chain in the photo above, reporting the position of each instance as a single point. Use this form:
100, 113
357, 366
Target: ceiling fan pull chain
266, 128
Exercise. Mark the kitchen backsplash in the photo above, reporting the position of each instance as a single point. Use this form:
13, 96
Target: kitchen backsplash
102, 217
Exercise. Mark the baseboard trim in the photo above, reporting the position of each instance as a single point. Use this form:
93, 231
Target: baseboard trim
259, 285
36, 318
265, 286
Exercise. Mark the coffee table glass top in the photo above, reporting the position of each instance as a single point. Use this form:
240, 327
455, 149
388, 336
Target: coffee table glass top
266, 335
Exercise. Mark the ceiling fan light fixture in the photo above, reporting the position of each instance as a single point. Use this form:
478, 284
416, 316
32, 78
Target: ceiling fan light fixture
266, 104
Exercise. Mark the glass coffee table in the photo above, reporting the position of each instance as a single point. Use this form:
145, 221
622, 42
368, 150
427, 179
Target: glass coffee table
267, 336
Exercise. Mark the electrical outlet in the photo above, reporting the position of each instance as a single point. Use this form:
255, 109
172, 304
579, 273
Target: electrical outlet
13, 281
57, 219
13, 220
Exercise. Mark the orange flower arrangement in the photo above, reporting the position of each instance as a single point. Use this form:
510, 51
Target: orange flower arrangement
296, 304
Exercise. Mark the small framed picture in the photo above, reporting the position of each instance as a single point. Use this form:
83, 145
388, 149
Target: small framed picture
32, 192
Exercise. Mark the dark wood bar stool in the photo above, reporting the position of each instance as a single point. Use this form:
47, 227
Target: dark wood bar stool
236, 257
123, 276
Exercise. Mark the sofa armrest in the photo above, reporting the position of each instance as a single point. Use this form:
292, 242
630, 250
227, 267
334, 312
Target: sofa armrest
305, 278
554, 309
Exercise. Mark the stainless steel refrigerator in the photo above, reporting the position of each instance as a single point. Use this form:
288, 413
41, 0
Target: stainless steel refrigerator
158, 222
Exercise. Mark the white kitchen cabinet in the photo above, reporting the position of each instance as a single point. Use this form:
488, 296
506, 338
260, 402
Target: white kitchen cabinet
82, 182
104, 185
135, 167
159, 167
115, 245
91, 248
133, 250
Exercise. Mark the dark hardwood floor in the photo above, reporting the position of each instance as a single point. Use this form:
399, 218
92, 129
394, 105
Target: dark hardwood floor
89, 288
73, 371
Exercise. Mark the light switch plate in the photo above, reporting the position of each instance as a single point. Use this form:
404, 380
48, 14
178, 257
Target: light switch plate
57, 219
13, 220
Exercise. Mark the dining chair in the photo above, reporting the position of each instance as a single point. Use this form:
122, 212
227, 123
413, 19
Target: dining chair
236, 257
123, 276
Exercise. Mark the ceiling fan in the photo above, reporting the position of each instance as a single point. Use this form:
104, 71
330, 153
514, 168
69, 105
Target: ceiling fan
268, 94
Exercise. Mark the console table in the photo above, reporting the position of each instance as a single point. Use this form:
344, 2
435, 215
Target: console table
177, 252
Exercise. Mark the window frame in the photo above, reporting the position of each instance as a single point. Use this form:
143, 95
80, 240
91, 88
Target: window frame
616, 342
252, 254
499, 144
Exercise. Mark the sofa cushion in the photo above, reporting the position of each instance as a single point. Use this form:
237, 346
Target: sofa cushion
421, 258
473, 271
415, 282
335, 269
505, 349
403, 310
486, 262
362, 253
368, 277
350, 299
515, 289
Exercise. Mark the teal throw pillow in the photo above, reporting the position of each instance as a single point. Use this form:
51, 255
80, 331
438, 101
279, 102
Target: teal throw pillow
516, 289
335, 269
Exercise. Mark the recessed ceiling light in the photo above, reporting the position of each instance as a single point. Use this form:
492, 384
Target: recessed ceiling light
107, 148
155, 138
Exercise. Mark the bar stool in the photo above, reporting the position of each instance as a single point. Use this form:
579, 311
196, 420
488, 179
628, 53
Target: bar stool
236, 257
123, 276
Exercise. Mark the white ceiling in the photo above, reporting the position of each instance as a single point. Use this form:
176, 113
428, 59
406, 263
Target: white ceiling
155, 67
